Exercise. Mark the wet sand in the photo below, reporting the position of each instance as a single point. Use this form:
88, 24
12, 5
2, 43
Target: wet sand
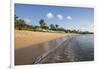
57, 48
76, 49
30, 45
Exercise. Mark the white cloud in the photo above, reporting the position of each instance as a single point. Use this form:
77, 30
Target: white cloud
60, 16
69, 18
27, 21
50, 15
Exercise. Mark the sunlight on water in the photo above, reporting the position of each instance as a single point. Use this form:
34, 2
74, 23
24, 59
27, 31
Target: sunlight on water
78, 48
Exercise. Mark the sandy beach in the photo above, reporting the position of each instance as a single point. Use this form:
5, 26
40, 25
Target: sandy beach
27, 38
29, 45
43, 47
64, 35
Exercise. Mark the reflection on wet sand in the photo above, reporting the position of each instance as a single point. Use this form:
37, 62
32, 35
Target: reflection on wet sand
30, 54
78, 48
66, 49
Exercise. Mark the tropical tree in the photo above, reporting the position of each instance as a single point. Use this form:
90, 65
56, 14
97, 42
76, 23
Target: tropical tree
56, 26
52, 27
15, 17
21, 25
42, 23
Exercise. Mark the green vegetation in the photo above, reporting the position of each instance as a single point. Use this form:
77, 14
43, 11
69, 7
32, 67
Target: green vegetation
21, 25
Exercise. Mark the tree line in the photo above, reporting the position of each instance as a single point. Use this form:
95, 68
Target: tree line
21, 25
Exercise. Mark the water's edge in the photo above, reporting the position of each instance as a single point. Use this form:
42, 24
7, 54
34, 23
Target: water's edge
58, 43
70, 49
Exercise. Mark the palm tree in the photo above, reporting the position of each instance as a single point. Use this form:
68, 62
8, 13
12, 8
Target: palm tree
42, 23
15, 17
56, 26
52, 27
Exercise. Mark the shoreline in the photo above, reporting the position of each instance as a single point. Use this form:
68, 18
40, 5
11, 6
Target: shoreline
43, 51
28, 38
32, 52
71, 50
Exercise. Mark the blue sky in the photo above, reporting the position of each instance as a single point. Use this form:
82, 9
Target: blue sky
78, 18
